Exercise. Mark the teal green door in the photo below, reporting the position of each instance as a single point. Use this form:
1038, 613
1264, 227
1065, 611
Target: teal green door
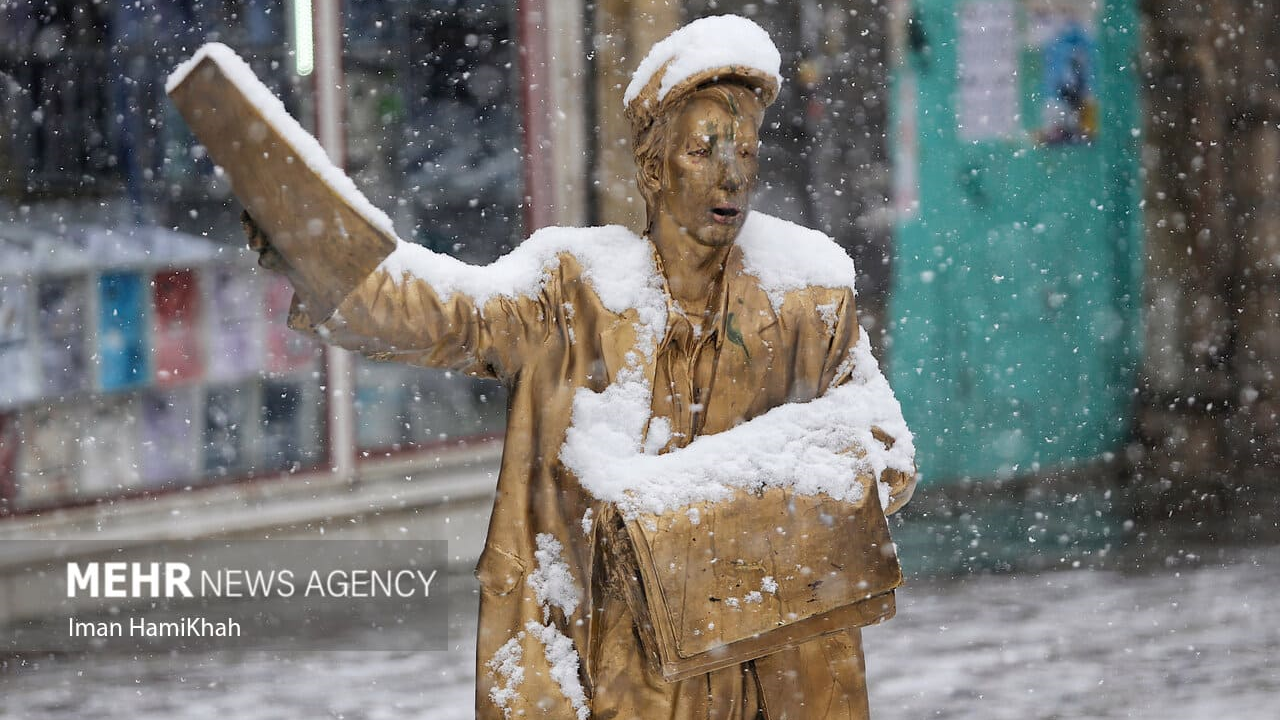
1015, 301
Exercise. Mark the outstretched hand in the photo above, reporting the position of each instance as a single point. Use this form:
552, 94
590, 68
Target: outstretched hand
259, 242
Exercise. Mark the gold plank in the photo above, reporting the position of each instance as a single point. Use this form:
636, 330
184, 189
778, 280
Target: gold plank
329, 245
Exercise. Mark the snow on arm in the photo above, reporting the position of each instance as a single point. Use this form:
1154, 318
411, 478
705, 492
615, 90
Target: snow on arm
803, 446
427, 308
615, 262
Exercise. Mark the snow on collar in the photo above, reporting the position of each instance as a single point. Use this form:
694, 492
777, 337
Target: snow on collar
706, 44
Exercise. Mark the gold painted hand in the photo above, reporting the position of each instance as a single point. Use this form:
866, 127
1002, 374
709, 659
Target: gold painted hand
260, 242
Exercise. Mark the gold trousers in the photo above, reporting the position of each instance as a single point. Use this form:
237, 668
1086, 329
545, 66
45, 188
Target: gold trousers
822, 679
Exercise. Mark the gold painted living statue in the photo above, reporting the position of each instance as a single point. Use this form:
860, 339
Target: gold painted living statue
700, 448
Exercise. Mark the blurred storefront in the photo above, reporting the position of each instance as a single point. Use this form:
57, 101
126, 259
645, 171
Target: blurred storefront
139, 359
142, 351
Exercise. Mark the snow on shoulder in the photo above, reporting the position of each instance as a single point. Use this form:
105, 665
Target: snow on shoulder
785, 256
705, 44
616, 263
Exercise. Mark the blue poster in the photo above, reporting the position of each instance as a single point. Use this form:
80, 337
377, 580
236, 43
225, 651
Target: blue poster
1069, 105
122, 343
380, 396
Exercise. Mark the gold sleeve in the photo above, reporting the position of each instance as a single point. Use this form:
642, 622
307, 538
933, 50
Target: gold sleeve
404, 319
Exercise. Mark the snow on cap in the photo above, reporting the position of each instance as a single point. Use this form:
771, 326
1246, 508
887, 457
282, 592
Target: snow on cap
720, 47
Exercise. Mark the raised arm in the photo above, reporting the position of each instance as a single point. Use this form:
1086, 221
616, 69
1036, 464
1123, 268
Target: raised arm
423, 308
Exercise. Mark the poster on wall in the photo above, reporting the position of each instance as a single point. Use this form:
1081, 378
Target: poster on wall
18, 380
168, 439
235, 310
987, 102
50, 463
61, 303
109, 448
122, 341
229, 418
1063, 33
286, 349
176, 337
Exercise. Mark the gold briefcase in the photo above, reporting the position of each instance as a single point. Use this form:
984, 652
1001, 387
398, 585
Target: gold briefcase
718, 584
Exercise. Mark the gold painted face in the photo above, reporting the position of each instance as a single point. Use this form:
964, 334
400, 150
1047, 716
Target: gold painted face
711, 165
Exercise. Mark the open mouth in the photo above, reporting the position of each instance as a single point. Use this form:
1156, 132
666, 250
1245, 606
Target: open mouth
725, 214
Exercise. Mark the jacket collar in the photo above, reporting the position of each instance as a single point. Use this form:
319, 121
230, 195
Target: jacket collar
736, 283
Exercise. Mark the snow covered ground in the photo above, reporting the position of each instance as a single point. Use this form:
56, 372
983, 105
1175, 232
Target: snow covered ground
1179, 643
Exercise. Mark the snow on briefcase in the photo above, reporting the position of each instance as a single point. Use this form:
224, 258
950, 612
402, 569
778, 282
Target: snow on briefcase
717, 584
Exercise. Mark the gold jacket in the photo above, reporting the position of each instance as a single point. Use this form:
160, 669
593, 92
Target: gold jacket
546, 346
